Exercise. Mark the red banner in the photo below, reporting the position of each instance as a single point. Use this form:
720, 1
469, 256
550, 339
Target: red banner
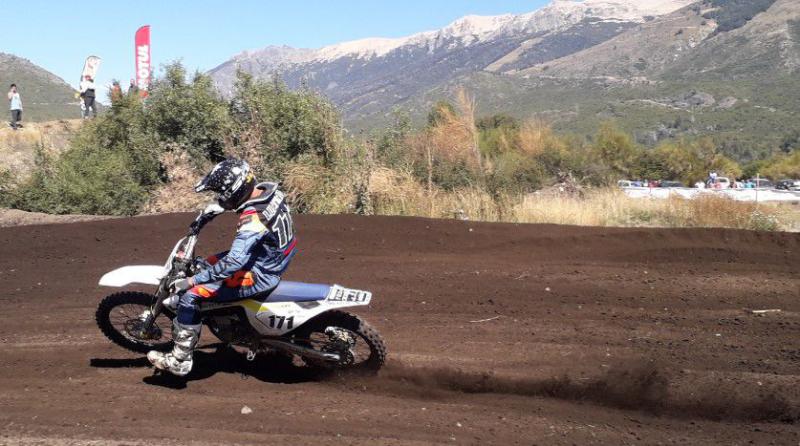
143, 66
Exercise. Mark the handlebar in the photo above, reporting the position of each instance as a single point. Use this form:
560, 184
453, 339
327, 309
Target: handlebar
205, 217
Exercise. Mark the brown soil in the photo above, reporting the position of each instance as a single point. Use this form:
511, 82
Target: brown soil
588, 336
15, 217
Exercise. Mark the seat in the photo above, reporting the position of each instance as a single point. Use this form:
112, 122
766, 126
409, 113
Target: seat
295, 292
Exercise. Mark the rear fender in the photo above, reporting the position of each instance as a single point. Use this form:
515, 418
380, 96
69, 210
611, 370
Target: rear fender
131, 275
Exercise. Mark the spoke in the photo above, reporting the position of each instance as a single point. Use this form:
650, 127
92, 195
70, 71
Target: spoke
122, 315
361, 350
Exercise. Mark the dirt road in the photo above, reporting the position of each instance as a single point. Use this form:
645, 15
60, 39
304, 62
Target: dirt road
498, 334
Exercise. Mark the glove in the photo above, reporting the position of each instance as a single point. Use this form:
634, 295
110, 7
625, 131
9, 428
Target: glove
210, 212
181, 285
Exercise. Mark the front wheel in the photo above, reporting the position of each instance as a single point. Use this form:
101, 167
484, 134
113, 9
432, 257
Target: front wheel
359, 346
120, 317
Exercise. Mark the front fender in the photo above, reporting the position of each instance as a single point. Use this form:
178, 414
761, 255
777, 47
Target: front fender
129, 275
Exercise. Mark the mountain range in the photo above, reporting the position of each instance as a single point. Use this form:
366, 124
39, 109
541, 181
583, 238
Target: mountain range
661, 68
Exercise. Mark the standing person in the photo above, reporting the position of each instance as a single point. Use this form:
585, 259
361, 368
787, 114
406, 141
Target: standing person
15, 105
116, 91
88, 95
133, 88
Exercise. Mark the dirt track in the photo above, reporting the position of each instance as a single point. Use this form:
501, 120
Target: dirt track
608, 336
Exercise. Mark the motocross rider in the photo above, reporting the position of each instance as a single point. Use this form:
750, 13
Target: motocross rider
262, 250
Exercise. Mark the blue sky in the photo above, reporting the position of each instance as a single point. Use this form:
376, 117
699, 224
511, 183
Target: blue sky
58, 35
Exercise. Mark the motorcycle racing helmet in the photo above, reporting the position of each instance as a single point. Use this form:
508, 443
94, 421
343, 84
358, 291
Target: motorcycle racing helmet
231, 180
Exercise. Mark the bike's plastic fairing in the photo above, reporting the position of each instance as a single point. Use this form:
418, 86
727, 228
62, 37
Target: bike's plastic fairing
130, 275
289, 306
273, 317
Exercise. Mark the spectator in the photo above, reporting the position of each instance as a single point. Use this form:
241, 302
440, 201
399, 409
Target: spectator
133, 88
116, 91
88, 95
15, 105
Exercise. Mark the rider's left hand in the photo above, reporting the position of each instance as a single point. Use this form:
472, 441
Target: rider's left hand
181, 285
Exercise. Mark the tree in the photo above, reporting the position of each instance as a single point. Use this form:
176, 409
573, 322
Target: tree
616, 150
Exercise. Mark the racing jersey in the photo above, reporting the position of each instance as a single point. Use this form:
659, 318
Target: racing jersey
264, 243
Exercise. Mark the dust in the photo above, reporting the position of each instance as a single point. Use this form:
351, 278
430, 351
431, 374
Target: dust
644, 386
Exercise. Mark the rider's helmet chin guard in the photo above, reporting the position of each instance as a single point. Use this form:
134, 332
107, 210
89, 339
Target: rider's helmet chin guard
231, 180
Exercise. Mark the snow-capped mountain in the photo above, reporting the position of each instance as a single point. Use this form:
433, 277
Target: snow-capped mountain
373, 75
475, 29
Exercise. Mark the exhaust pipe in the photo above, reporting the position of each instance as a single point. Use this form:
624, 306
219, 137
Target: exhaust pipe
306, 352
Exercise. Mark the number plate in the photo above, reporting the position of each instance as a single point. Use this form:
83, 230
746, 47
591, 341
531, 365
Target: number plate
339, 294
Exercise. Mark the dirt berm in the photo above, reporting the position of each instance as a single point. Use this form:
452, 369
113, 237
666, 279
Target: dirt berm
498, 334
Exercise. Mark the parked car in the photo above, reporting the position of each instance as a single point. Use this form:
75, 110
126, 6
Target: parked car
672, 184
762, 183
788, 184
624, 183
721, 183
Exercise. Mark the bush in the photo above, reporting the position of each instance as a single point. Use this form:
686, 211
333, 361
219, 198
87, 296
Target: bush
277, 125
186, 115
616, 150
782, 166
84, 180
8, 188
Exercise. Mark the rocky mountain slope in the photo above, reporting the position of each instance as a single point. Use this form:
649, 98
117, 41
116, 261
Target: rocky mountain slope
374, 75
661, 68
45, 96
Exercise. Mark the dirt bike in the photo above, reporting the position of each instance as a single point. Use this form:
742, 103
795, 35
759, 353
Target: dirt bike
295, 319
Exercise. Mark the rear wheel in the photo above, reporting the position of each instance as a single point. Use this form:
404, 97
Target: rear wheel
120, 318
359, 346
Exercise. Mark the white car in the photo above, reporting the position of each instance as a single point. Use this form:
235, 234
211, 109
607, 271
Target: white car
624, 183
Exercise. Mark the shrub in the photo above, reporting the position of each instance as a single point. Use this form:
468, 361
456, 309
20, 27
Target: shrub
616, 150
84, 180
783, 166
8, 188
186, 115
280, 125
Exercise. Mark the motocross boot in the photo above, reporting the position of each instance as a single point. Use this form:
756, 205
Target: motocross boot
179, 361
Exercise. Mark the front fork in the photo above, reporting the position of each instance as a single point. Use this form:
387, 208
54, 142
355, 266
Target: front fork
156, 308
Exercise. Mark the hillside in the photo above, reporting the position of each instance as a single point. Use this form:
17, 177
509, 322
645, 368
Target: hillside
374, 75
18, 148
45, 96
663, 69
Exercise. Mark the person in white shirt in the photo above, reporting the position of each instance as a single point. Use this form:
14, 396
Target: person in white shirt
15, 105
88, 95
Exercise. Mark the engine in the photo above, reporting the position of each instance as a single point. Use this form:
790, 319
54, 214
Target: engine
230, 329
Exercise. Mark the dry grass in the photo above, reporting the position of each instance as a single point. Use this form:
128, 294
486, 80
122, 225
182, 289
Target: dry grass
317, 189
18, 148
178, 194
613, 208
393, 192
